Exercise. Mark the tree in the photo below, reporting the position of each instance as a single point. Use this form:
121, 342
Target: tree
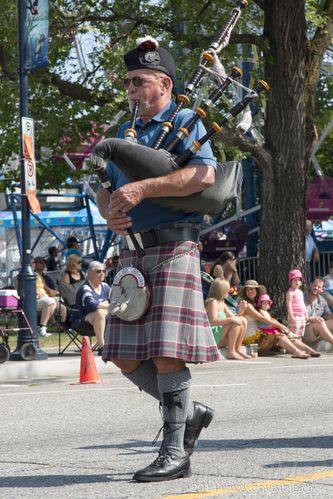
290, 38
292, 68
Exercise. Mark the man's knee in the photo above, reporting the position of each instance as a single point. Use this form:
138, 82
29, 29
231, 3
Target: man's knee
165, 365
126, 365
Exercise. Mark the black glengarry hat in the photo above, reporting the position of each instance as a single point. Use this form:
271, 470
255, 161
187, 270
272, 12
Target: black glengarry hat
148, 55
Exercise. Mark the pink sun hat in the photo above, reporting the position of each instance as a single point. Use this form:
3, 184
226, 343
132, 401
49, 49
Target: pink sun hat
294, 274
264, 298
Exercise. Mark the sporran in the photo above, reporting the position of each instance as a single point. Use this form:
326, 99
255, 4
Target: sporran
131, 294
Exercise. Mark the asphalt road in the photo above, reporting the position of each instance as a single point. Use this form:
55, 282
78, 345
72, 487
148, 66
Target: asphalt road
271, 436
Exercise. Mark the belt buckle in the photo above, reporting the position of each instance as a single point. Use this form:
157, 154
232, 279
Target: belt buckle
129, 243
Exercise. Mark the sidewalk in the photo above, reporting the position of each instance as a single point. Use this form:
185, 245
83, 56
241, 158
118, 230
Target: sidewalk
68, 365
56, 366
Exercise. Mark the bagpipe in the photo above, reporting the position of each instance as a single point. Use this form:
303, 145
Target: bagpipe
138, 162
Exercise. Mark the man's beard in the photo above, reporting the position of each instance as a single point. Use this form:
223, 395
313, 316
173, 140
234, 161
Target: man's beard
144, 106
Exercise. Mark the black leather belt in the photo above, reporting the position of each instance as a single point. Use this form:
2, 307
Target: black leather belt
160, 236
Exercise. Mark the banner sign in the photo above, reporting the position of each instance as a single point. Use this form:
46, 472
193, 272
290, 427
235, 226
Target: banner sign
37, 34
28, 139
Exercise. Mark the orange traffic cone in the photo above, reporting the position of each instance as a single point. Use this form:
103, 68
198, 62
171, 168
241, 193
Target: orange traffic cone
88, 371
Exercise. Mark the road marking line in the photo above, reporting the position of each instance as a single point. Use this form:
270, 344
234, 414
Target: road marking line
298, 366
234, 489
69, 391
194, 385
11, 386
114, 389
303, 365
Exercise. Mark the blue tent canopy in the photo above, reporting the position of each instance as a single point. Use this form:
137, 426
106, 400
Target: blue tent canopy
56, 218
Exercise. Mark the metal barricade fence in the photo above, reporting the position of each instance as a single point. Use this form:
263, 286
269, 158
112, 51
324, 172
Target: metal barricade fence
248, 267
320, 268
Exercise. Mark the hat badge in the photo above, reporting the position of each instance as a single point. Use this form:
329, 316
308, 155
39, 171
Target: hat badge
152, 57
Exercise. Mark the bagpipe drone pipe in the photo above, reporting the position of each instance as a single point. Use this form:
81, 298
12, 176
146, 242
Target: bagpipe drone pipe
138, 162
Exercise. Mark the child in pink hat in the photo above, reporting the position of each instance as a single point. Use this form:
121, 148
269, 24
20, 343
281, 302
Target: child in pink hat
297, 313
264, 304
290, 342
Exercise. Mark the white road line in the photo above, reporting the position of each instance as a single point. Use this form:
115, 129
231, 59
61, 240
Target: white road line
194, 385
11, 386
302, 365
85, 390
71, 391
265, 367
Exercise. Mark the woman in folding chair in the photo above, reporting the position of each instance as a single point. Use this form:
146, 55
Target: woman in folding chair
92, 302
72, 273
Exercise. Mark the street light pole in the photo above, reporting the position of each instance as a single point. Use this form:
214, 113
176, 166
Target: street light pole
26, 277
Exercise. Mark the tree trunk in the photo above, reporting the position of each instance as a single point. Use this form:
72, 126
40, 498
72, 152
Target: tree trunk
284, 178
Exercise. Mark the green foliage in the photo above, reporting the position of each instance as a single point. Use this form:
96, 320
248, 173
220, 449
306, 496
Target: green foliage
314, 15
66, 102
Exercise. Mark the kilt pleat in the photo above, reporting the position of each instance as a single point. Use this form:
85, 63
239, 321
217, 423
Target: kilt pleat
176, 324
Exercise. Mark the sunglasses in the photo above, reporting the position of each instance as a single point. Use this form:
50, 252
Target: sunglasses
137, 81
99, 271
79, 261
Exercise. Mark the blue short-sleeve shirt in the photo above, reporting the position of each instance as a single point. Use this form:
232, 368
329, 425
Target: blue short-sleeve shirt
148, 214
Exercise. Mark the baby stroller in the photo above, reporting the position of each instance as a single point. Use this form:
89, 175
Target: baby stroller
9, 304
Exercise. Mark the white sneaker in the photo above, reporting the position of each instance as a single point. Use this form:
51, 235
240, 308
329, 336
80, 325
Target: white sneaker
42, 331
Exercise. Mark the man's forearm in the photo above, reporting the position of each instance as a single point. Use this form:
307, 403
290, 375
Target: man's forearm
183, 182
102, 201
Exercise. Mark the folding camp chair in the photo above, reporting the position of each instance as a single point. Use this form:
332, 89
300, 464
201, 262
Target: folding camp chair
67, 298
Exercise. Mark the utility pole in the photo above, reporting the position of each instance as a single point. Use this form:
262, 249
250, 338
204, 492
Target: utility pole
26, 277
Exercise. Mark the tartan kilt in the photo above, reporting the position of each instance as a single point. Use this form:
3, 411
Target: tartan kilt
176, 324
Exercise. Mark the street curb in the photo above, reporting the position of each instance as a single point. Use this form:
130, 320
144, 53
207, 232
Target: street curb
52, 367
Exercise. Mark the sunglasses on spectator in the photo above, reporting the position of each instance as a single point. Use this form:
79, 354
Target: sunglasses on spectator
99, 271
137, 81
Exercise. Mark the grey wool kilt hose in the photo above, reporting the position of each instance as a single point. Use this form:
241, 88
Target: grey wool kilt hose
176, 324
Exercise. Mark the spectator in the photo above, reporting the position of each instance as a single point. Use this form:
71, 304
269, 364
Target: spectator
328, 286
250, 295
112, 270
328, 279
72, 273
264, 304
297, 313
52, 261
72, 245
228, 329
92, 302
225, 268
73, 248
47, 298
320, 322
311, 250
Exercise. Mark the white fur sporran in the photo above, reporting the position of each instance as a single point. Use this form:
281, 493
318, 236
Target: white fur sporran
131, 294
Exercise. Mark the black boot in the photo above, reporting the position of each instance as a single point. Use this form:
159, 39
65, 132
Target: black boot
202, 417
172, 462
165, 467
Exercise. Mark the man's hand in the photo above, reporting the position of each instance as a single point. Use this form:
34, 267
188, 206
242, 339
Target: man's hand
118, 222
126, 197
